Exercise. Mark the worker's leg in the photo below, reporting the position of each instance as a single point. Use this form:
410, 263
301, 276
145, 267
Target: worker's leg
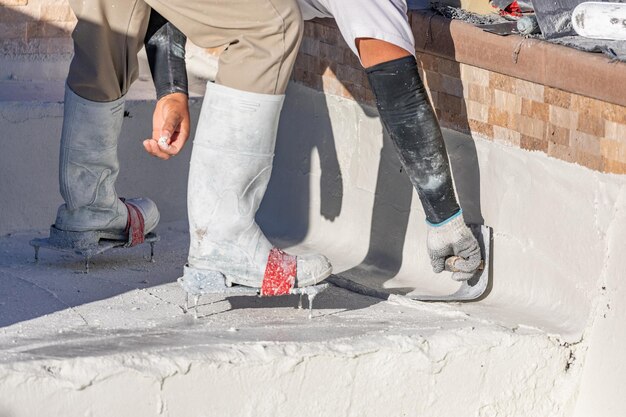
263, 37
107, 38
233, 149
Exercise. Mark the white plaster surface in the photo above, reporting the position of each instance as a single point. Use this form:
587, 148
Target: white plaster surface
116, 342
538, 344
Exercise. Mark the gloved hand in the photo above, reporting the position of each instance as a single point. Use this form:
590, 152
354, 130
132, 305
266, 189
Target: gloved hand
453, 238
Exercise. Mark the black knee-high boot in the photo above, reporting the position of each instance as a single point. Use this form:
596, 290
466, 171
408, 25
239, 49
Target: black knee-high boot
411, 123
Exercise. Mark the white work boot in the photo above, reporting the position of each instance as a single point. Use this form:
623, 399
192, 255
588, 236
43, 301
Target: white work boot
231, 165
88, 168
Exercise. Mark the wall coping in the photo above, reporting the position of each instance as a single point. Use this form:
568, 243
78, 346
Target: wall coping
584, 73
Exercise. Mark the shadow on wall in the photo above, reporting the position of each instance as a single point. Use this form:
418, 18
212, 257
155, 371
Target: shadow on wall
285, 211
29, 291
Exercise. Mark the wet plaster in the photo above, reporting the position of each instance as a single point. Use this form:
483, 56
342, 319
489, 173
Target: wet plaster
115, 341
534, 345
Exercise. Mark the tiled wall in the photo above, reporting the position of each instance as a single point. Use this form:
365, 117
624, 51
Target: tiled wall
531, 116
467, 98
500, 108
35, 27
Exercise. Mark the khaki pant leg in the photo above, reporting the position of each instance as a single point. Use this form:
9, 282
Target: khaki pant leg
263, 37
107, 38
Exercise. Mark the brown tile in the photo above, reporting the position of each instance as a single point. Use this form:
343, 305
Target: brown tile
557, 97
449, 67
614, 167
506, 136
483, 129
585, 143
433, 80
610, 149
564, 153
330, 52
498, 117
310, 46
480, 94
452, 86
428, 62
529, 126
590, 106
327, 34
592, 125
451, 104
347, 74
535, 110
501, 82
454, 121
557, 135
350, 59
533, 144
309, 29
590, 161
614, 113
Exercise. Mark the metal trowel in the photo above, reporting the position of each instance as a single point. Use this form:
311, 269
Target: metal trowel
469, 290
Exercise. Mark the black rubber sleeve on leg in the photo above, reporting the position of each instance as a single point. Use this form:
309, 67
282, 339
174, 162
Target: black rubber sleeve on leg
165, 47
414, 129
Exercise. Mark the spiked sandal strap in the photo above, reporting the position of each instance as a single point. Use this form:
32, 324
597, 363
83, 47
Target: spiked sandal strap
280, 273
135, 227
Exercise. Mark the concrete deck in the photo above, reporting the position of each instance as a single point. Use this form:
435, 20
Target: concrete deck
116, 341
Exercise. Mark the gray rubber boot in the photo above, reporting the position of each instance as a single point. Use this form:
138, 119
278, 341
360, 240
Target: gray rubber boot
231, 164
88, 168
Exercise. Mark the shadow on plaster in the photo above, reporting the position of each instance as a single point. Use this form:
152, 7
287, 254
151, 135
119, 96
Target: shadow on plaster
285, 210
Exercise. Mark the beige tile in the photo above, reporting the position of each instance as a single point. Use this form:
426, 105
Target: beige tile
474, 75
529, 90
536, 110
477, 111
507, 102
590, 124
586, 143
506, 136
615, 131
563, 117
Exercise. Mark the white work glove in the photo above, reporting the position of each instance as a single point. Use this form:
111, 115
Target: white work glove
453, 247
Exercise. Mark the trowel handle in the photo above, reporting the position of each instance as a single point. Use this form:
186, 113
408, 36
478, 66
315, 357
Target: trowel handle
452, 260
